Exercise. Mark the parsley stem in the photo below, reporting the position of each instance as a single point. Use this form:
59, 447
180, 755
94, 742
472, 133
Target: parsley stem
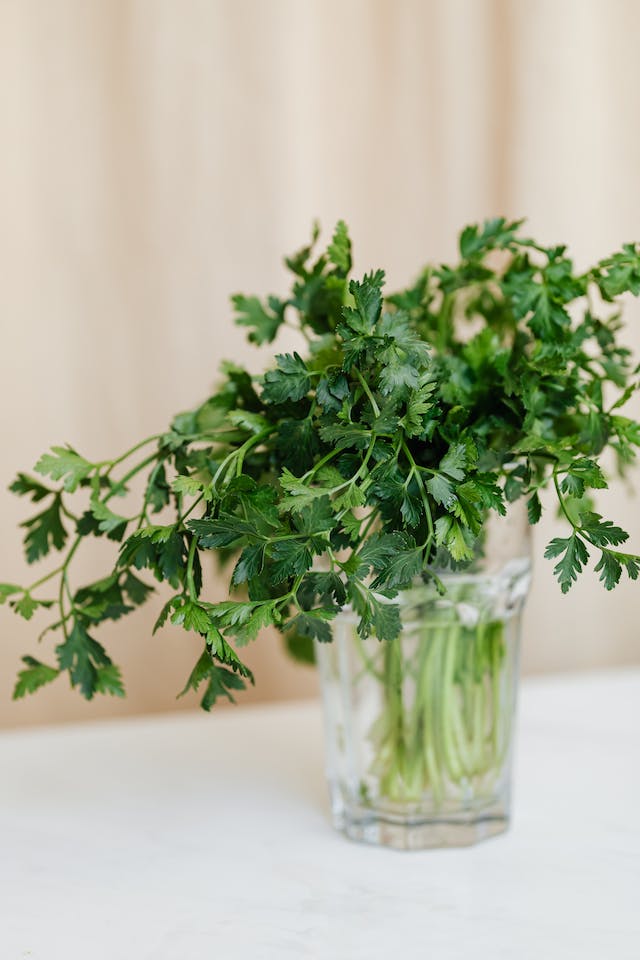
62, 570
64, 585
47, 576
293, 593
114, 463
563, 506
193, 546
423, 492
244, 449
128, 476
361, 469
370, 396
580, 529
329, 456
241, 452
63, 614
192, 508
370, 520
440, 587
67, 512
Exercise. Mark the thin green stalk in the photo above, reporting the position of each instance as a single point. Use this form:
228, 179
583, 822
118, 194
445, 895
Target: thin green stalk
129, 476
451, 754
464, 751
367, 391
47, 576
425, 702
433, 687
65, 586
415, 470
478, 764
392, 781
450, 737
128, 453
193, 546
496, 704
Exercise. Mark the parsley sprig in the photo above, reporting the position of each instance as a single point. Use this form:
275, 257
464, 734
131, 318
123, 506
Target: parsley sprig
340, 476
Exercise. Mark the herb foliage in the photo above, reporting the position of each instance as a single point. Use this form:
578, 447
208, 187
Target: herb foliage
380, 452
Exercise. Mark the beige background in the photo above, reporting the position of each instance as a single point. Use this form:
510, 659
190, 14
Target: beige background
157, 156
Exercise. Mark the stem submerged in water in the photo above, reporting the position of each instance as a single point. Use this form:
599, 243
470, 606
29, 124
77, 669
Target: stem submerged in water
444, 724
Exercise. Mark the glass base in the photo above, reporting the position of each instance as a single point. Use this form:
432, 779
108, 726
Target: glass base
423, 834
419, 832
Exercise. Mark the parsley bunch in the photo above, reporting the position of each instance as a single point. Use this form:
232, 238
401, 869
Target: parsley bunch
342, 476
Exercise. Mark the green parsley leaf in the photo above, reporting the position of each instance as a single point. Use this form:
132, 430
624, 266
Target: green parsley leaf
419, 404
326, 588
313, 624
534, 508
25, 485
367, 297
602, 532
45, 532
32, 677
245, 620
26, 606
7, 590
108, 521
386, 619
400, 570
496, 233
453, 535
220, 681
224, 652
290, 558
264, 321
136, 589
249, 565
253, 422
191, 487
630, 563
339, 250
580, 474
228, 530
454, 461
82, 656
109, 681
610, 569
64, 464
442, 491
332, 391
290, 381
192, 616
573, 555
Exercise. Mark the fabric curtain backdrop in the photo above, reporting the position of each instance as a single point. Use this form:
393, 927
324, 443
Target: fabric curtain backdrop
158, 156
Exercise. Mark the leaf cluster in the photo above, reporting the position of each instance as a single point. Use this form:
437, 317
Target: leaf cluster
369, 458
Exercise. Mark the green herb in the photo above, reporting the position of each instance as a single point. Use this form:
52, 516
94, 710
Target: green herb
342, 475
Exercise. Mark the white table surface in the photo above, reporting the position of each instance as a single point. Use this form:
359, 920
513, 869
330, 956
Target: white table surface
192, 837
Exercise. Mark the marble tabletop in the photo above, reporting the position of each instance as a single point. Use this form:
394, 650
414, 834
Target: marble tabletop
191, 837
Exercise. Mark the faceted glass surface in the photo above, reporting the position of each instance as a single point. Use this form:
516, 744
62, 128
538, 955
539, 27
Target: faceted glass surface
419, 730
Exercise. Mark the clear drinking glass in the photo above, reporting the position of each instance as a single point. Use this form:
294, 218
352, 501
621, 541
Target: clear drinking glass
419, 730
